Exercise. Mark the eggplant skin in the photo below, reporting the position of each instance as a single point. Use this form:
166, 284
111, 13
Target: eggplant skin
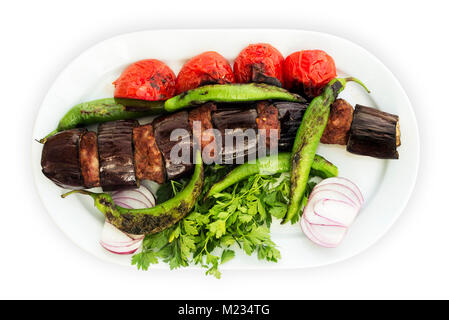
163, 127
234, 121
115, 149
373, 133
290, 115
60, 159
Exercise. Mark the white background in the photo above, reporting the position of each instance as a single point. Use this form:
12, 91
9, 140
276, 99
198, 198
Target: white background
39, 38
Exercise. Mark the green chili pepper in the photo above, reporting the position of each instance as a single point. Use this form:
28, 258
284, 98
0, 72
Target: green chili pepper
104, 110
155, 219
271, 165
322, 168
235, 92
307, 139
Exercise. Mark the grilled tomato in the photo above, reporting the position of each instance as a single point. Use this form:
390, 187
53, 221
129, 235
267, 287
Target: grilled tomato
206, 68
307, 72
149, 80
259, 63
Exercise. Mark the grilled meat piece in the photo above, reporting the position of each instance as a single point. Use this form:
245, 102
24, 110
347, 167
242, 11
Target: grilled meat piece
163, 127
374, 133
89, 162
339, 123
147, 157
60, 159
268, 120
115, 147
205, 137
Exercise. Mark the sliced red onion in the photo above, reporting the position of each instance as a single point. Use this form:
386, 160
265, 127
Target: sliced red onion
121, 250
340, 188
332, 207
134, 198
338, 212
117, 241
346, 182
328, 234
305, 226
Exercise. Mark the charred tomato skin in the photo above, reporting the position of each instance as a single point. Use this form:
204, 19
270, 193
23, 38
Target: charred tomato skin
262, 58
148, 79
306, 72
206, 68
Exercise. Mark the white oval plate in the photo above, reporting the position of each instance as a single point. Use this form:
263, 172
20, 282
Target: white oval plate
386, 184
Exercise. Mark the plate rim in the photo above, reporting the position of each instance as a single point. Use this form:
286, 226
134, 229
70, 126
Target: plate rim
374, 240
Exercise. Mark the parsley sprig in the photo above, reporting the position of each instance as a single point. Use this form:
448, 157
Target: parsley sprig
239, 218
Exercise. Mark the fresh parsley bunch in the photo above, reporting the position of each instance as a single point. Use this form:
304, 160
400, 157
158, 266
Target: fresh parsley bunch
237, 218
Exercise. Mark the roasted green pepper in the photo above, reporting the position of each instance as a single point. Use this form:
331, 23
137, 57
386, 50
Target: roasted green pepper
321, 167
155, 219
236, 92
307, 140
271, 165
104, 110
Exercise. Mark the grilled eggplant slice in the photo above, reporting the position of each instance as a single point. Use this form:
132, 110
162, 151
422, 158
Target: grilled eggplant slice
163, 128
115, 148
60, 159
290, 116
232, 123
374, 133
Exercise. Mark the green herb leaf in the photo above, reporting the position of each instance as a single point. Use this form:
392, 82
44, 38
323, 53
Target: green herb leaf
218, 228
238, 218
227, 255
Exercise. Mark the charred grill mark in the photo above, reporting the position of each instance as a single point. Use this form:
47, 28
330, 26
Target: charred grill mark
209, 81
258, 75
182, 95
105, 202
336, 87
143, 223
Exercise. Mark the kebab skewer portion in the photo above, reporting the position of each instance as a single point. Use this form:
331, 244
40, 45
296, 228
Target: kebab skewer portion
124, 152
